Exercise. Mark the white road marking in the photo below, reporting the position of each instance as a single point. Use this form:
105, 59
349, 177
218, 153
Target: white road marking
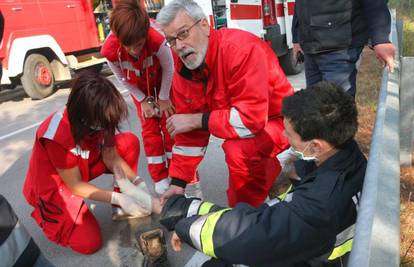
34, 125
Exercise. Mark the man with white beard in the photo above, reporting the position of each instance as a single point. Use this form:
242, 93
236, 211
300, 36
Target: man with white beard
227, 83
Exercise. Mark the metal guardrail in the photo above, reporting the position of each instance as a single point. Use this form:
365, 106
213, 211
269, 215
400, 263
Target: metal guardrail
377, 235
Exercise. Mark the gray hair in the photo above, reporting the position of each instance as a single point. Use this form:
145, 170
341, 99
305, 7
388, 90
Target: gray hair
170, 11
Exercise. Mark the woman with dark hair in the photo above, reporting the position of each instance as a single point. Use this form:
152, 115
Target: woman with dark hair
74, 146
138, 56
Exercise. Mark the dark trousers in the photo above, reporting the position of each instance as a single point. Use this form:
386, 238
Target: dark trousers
340, 67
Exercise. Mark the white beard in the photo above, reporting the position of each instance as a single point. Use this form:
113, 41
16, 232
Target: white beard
192, 65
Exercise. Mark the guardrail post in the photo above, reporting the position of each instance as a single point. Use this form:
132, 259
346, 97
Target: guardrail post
407, 110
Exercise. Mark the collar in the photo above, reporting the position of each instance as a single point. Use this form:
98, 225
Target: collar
203, 72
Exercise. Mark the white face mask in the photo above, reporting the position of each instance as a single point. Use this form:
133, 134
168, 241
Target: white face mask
300, 154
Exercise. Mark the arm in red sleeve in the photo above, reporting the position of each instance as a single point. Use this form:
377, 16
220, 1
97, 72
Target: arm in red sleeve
248, 92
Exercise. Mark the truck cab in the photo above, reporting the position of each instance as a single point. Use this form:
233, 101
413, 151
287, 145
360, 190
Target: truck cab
44, 40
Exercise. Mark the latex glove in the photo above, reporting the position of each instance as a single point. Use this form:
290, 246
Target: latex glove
162, 186
139, 192
128, 204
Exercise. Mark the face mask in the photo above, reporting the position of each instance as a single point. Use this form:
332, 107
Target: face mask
301, 156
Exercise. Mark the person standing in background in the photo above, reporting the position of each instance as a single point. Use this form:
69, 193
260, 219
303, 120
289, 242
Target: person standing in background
332, 34
137, 55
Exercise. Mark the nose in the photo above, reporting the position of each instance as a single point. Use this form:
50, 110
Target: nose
179, 45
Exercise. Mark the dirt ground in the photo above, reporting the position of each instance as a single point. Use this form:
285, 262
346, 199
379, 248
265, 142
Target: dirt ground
369, 79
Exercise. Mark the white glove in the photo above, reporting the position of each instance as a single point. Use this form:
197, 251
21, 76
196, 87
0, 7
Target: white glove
162, 186
129, 204
139, 192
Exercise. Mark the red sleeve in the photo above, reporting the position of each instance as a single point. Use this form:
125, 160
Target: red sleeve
248, 93
59, 156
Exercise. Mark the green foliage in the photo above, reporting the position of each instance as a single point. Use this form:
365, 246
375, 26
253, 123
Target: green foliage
405, 11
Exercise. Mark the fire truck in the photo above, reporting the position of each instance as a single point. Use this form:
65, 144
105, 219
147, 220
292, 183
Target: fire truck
45, 41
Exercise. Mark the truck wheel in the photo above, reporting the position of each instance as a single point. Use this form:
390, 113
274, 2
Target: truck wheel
288, 64
37, 79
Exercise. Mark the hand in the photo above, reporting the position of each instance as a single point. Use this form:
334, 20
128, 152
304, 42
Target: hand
183, 123
296, 49
385, 54
128, 204
139, 192
166, 107
175, 242
162, 186
172, 190
147, 110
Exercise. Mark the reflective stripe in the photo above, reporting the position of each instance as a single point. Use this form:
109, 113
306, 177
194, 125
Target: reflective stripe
238, 125
77, 151
195, 231
53, 125
284, 195
345, 235
126, 65
147, 62
207, 232
156, 160
193, 209
193, 151
169, 155
14, 245
205, 208
341, 250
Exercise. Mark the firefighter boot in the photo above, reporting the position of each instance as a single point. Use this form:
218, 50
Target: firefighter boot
152, 246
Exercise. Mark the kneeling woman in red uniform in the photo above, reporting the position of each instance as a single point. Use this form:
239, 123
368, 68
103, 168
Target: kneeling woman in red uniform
72, 147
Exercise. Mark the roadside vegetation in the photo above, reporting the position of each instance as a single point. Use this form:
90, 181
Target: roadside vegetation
405, 11
369, 79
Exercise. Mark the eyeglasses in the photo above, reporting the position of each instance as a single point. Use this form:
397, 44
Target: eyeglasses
182, 35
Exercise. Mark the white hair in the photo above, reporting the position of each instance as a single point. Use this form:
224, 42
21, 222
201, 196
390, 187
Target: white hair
170, 11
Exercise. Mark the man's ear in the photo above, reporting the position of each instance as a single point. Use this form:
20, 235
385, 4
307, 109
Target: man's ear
317, 146
205, 26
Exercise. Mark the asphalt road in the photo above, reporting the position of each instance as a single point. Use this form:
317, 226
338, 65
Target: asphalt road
19, 118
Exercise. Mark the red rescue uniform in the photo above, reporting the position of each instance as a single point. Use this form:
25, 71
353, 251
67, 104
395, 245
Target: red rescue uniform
64, 217
241, 86
150, 74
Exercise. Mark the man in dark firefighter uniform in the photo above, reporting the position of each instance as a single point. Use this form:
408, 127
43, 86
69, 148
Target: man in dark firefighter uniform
312, 224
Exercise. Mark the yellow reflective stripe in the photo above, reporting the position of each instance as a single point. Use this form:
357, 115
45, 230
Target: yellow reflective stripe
207, 232
283, 196
205, 208
341, 250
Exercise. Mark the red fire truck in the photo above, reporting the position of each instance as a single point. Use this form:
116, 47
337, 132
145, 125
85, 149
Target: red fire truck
45, 40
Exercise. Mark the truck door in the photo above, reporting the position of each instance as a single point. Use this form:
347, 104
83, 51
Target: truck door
284, 12
61, 20
245, 15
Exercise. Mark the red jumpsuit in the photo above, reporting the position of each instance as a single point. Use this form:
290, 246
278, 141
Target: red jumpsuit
64, 217
241, 86
148, 75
